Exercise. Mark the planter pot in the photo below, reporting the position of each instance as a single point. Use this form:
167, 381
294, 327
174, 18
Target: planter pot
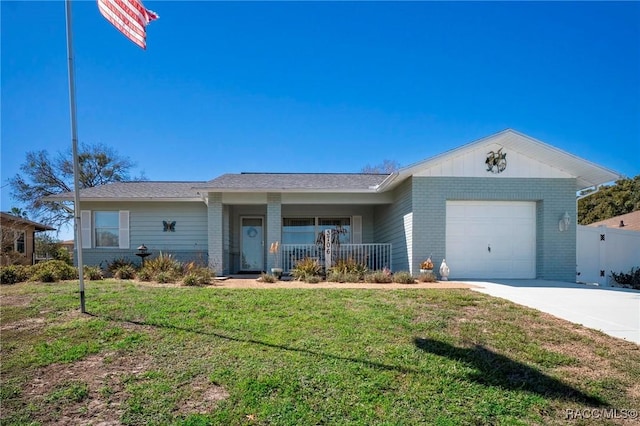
426, 271
276, 272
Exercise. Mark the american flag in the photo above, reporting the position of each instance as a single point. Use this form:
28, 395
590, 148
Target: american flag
130, 17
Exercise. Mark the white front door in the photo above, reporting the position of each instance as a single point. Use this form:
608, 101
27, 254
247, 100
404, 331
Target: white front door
252, 243
491, 239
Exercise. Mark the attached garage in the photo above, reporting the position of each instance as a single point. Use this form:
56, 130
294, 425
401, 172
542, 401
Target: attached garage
491, 239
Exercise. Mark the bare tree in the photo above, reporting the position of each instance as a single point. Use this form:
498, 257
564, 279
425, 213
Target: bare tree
387, 166
41, 176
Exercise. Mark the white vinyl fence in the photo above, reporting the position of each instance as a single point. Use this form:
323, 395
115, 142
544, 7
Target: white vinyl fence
601, 250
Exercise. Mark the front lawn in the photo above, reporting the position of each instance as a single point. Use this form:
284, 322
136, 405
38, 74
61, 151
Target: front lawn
197, 356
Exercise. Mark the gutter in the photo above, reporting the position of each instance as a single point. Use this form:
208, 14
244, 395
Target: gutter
386, 182
598, 187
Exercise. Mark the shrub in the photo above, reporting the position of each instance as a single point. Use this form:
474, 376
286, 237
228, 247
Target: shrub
427, 277
12, 274
202, 274
378, 277
144, 275
306, 267
196, 275
45, 275
93, 273
349, 268
163, 277
164, 263
313, 279
52, 270
118, 263
403, 277
632, 279
190, 279
125, 272
61, 253
268, 278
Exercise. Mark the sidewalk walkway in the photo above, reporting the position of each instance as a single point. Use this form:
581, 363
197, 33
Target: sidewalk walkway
613, 311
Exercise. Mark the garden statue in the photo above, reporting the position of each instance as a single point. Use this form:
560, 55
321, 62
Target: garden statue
444, 271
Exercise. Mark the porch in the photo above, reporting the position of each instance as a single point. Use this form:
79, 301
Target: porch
375, 256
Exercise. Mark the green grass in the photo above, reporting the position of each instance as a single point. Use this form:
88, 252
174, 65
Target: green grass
200, 356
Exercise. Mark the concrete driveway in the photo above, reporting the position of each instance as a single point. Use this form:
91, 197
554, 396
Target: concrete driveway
613, 311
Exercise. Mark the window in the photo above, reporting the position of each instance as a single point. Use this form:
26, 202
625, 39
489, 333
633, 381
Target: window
19, 245
106, 229
333, 223
305, 230
299, 231
13, 240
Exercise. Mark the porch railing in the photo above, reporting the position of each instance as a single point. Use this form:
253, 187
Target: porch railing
375, 256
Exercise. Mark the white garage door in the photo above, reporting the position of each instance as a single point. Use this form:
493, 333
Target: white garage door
491, 239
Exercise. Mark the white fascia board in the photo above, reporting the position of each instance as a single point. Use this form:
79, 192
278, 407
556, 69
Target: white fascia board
128, 199
294, 190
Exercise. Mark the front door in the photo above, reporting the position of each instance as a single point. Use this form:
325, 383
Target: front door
252, 244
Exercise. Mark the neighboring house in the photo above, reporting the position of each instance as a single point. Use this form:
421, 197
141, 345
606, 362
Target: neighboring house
18, 238
500, 207
628, 221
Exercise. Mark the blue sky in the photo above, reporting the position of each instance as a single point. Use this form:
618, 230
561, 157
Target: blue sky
321, 86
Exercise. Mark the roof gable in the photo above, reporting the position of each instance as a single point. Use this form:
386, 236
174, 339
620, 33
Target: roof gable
509, 154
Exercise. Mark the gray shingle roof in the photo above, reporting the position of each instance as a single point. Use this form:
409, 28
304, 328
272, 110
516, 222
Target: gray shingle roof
314, 182
137, 190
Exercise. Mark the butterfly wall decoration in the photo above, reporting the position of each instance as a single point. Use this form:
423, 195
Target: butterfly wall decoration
169, 226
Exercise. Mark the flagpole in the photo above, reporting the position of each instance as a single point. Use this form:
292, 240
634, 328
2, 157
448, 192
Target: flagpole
74, 148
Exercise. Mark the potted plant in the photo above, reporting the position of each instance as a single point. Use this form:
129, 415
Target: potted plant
274, 249
426, 266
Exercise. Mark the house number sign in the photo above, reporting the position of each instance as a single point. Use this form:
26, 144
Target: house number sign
328, 249
496, 161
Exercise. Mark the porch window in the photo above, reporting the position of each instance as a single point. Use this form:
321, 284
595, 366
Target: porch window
298, 230
332, 223
106, 227
305, 230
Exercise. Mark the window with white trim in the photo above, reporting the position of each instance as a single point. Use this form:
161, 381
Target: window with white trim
106, 228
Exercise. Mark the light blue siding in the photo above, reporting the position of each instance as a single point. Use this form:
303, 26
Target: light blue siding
555, 251
389, 225
188, 242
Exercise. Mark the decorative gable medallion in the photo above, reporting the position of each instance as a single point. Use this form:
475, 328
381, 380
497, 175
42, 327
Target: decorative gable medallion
496, 161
